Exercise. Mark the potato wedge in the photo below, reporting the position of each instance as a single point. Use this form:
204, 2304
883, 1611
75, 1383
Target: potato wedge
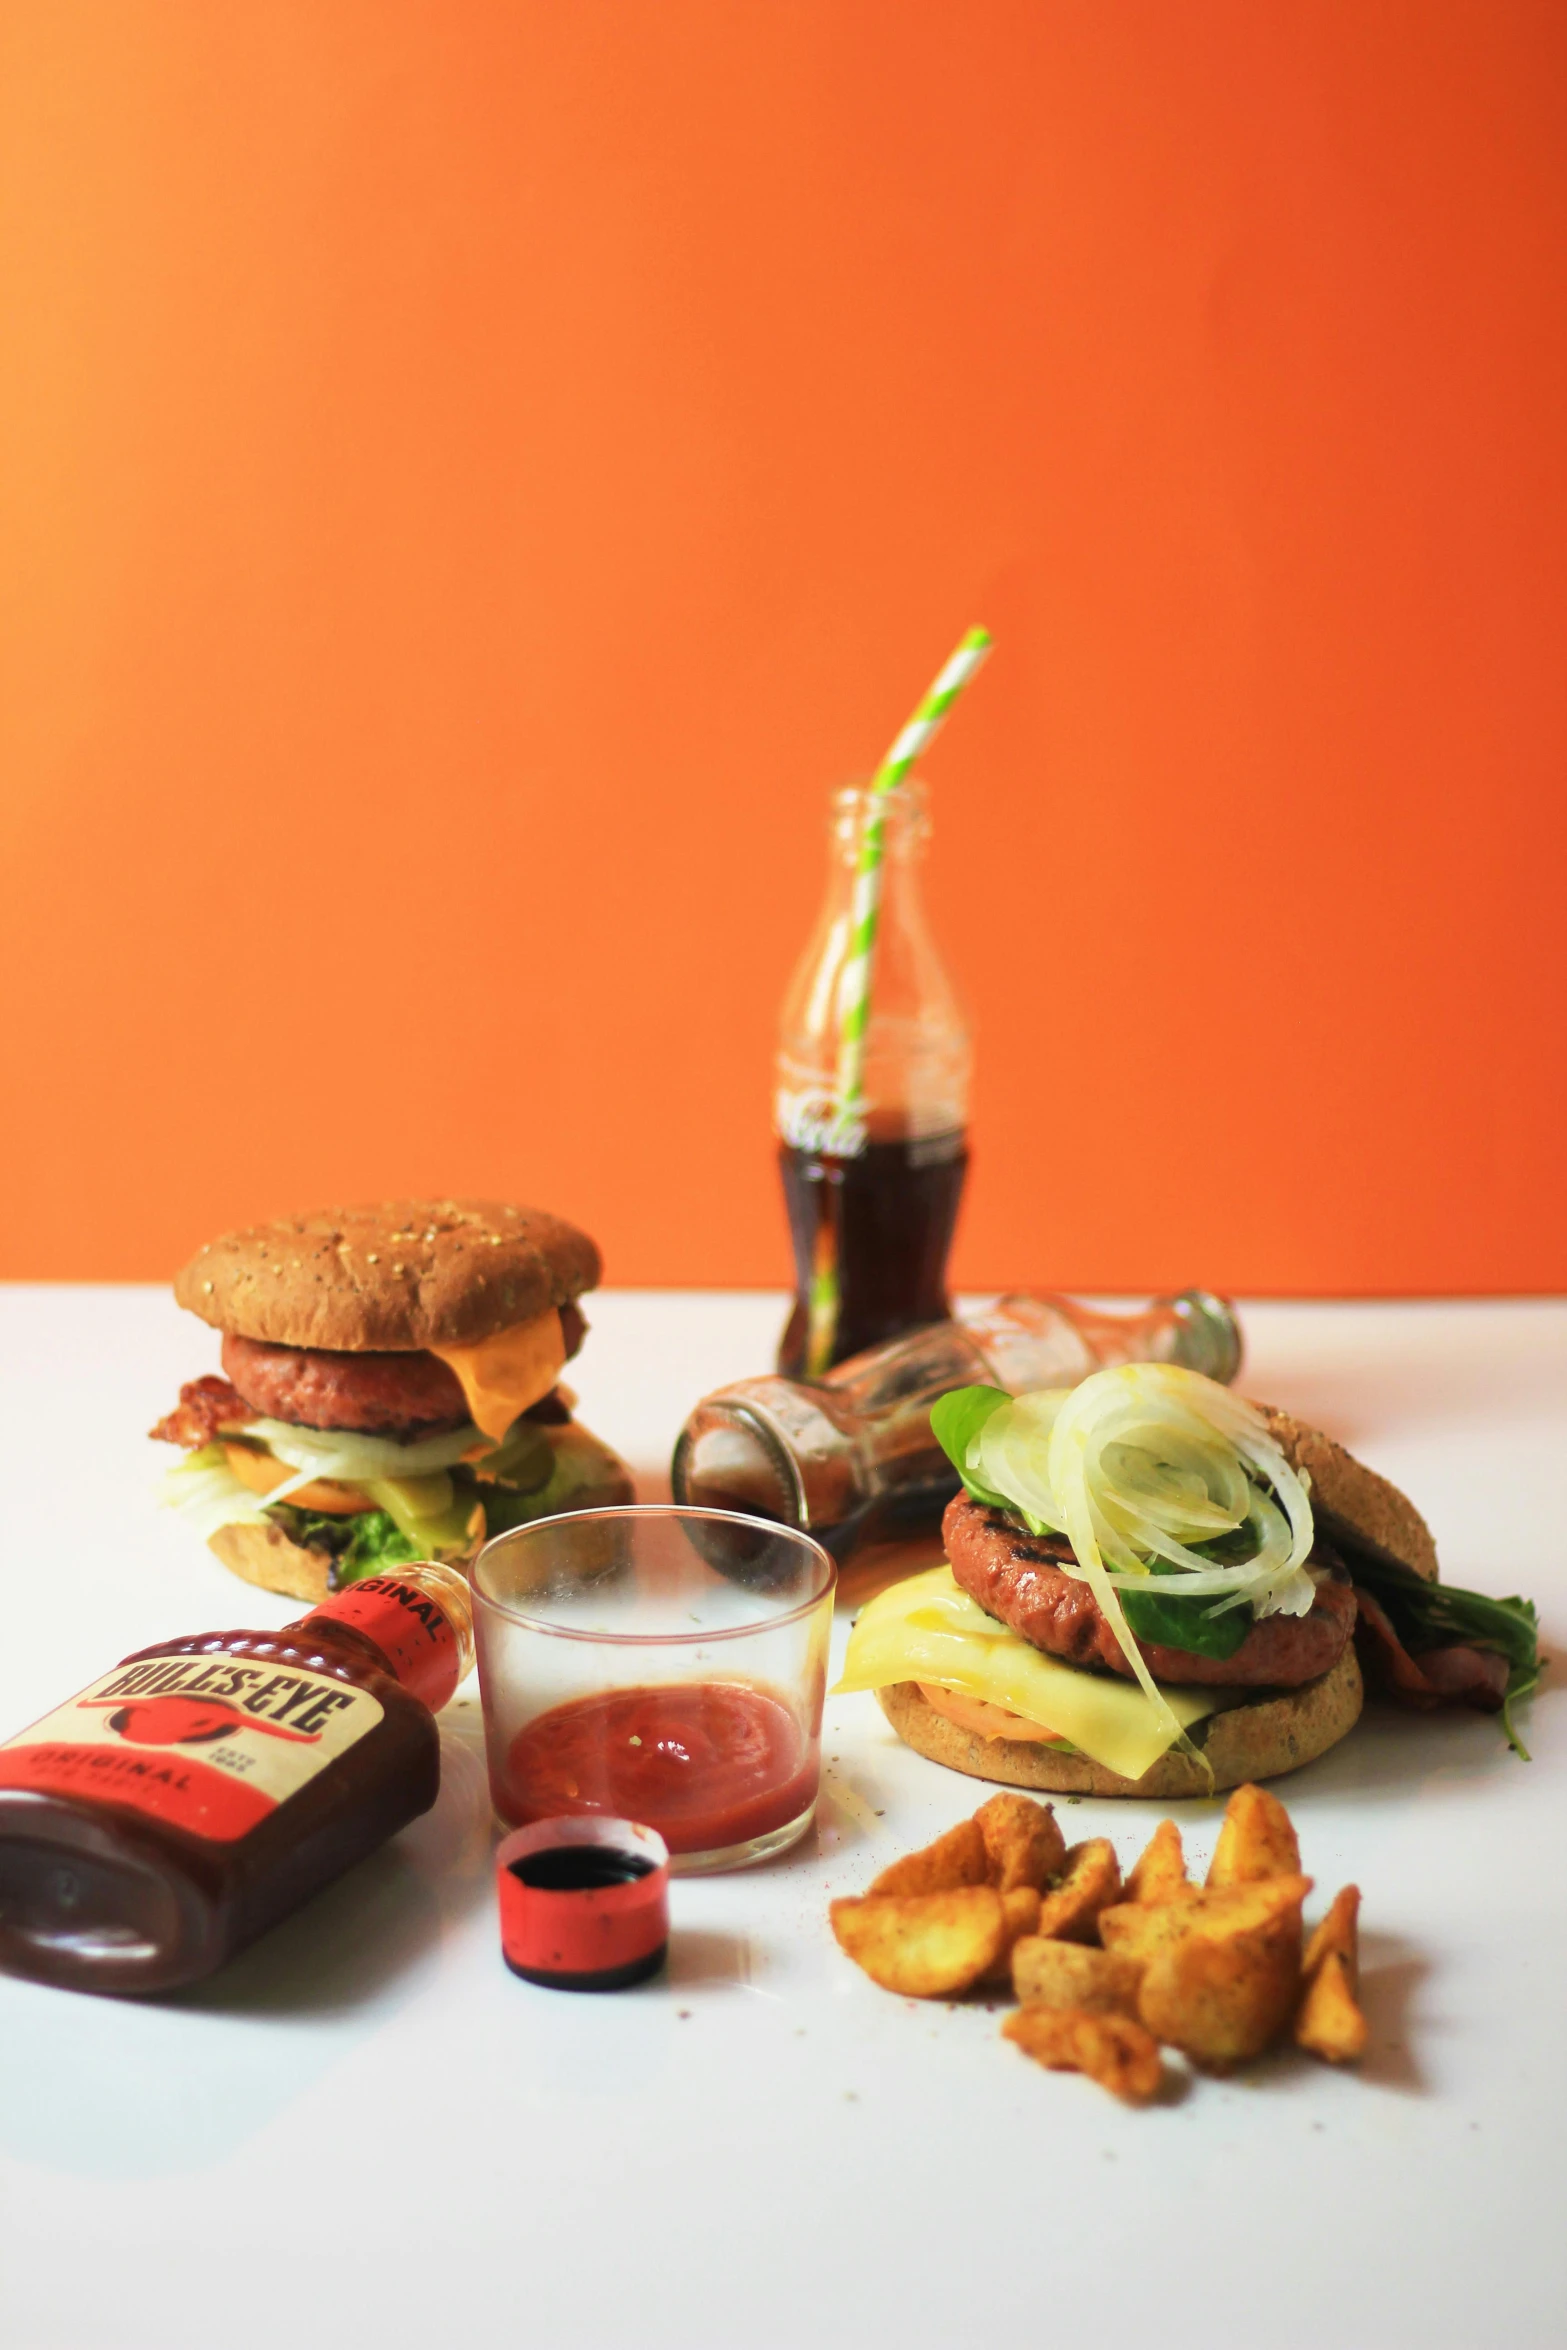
1257, 1841
1160, 1872
1021, 1910
1223, 1997
1023, 1840
1140, 1930
1329, 2023
926, 1946
1090, 1883
957, 1858
1067, 1975
1340, 1931
1022, 1906
1111, 2049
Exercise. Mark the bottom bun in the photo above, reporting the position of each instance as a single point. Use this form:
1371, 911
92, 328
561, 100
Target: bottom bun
265, 1555
1274, 1733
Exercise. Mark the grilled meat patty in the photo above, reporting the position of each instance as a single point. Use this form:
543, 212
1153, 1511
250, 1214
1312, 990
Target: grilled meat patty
1017, 1577
384, 1394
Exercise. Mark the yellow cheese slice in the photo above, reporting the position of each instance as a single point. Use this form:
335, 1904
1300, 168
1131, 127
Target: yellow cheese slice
926, 1629
502, 1375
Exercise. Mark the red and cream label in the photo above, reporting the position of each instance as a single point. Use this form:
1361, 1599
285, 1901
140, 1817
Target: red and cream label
208, 1744
415, 1636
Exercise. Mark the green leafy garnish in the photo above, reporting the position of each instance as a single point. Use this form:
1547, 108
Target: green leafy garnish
1191, 1624
361, 1545
956, 1418
1433, 1615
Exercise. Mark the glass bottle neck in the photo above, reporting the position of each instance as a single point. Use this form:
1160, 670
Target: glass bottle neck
418, 1619
873, 964
904, 814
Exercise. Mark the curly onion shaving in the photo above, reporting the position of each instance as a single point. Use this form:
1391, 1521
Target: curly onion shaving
1137, 1464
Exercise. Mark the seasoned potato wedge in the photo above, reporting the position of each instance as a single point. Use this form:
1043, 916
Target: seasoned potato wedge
924, 1945
1257, 1841
1137, 1930
1222, 1997
1111, 2049
1022, 1912
957, 1858
1023, 1840
1021, 1908
1340, 1931
1089, 1884
1329, 2023
1104, 1971
1072, 1975
1160, 1871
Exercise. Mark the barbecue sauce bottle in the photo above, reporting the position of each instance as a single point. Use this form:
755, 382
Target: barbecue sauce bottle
159, 1821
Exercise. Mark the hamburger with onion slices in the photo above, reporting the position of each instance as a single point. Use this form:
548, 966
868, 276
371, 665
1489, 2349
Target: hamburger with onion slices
390, 1389
1155, 1588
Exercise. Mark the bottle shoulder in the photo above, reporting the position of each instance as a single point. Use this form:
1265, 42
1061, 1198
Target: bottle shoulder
342, 1654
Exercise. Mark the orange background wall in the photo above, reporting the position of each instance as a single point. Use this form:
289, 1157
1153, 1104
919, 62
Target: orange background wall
472, 475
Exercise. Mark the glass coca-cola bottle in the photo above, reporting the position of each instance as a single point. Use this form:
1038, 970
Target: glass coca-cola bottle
873, 1172
853, 1455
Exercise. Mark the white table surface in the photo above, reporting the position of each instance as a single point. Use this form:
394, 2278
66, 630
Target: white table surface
367, 2131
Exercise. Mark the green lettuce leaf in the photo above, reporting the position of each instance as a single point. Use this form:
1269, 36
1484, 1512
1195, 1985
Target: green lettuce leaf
364, 1544
956, 1418
1186, 1623
1434, 1615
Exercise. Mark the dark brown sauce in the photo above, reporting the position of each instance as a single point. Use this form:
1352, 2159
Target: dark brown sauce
581, 1868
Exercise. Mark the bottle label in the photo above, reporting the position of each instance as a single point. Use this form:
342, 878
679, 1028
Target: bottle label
210, 1744
811, 1118
415, 1635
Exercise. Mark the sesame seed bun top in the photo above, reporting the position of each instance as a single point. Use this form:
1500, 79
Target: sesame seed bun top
399, 1275
1353, 1505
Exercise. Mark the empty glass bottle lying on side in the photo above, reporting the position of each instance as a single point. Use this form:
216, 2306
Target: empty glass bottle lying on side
851, 1456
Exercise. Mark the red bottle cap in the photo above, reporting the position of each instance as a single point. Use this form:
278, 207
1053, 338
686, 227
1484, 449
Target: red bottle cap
584, 1903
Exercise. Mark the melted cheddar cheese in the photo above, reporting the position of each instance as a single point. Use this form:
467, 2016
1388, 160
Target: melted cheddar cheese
503, 1375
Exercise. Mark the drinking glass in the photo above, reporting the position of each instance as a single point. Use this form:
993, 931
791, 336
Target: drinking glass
657, 1664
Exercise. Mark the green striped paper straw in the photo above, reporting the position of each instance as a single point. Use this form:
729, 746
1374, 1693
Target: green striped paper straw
854, 998
825, 1294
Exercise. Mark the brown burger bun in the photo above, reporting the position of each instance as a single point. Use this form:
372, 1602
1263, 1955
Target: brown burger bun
398, 1275
1273, 1733
264, 1555
1356, 1509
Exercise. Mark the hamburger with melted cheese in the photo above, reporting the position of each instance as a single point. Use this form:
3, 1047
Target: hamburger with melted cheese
391, 1389
1155, 1588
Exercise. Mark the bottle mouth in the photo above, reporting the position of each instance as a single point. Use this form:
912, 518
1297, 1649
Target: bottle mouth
727, 1459
1212, 1341
906, 815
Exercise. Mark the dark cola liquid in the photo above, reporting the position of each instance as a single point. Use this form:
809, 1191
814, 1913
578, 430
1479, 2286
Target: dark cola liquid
888, 1215
581, 1868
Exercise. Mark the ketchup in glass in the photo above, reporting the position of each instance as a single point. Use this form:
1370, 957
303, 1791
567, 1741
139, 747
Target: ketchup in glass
709, 1764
